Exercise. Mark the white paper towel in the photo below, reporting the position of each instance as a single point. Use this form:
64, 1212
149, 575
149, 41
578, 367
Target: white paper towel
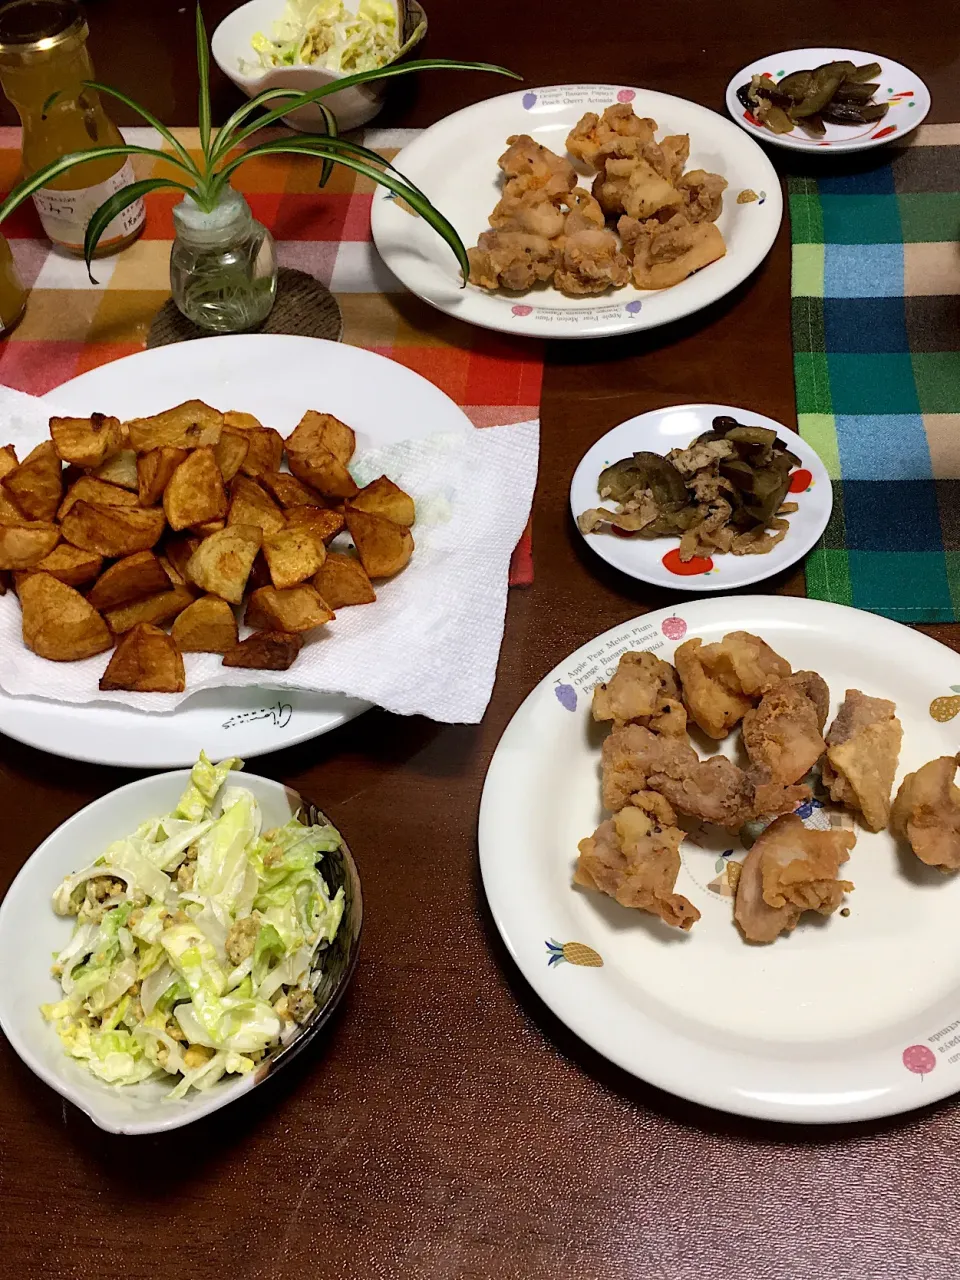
428, 646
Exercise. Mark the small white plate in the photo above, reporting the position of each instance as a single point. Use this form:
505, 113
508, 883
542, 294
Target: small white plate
908, 96
845, 1018
656, 560
277, 378
455, 163
31, 933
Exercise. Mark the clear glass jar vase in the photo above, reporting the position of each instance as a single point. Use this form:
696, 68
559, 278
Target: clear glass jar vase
223, 265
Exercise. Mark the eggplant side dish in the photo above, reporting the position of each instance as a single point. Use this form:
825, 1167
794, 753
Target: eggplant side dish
724, 492
835, 93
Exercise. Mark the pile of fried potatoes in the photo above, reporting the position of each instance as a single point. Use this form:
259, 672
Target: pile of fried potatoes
111, 530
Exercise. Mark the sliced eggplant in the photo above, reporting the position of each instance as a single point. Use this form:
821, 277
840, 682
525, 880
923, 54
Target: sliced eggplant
869, 71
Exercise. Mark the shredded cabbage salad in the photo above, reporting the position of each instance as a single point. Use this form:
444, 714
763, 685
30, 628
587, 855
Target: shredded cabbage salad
194, 940
328, 35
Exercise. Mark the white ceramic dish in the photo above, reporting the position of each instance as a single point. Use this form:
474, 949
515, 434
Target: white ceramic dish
277, 378
844, 1019
30, 933
455, 163
908, 96
657, 560
234, 55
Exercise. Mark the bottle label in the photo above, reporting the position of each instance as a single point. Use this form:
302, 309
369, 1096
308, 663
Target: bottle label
65, 214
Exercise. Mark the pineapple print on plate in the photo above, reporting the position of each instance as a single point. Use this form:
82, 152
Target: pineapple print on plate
946, 708
572, 953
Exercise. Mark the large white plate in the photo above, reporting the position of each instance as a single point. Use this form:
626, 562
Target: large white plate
845, 1018
908, 96
276, 378
455, 163
649, 560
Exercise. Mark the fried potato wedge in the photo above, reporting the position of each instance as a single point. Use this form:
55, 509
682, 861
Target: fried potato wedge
154, 609
265, 651
10, 513
293, 555
316, 431
89, 489
132, 578
294, 609
112, 531
187, 426
230, 452
208, 625
383, 547
146, 660
8, 460
70, 565
264, 453
252, 505
36, 485
343, 581
289, 491
23, 546
195, 491
222, 563
206, 527
381, 497
324, 471
86, 442
154, 471
326, 524
178, 549
242, 421
58, 623
121, 469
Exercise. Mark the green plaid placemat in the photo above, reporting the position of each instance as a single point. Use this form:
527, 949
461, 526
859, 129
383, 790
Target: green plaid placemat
876, 336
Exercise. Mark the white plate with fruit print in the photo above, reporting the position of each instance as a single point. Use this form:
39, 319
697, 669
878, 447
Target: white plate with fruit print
657, 560
850, 1016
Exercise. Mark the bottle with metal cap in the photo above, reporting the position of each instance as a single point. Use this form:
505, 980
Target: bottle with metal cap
43, 64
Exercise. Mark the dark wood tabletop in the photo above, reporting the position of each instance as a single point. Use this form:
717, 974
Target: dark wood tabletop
447, 1125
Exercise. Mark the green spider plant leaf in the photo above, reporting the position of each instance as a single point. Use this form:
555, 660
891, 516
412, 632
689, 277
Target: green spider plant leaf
203, 70
363, 77
343, 147
333, 147
185, 159
103, 216
226, 134
23, 190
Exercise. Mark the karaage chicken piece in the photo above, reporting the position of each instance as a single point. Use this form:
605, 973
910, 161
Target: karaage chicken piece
634, 857
863, 747
722, 681
926, 813
789, 870
530, 167
630, 184
702, 194
782, 734
592, 132
533, 213
636, 759
664, 253
591, 262
583, 212
511, 260
669, 156
643, 690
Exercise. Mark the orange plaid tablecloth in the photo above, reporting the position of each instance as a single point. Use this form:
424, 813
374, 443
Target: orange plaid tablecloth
71, 326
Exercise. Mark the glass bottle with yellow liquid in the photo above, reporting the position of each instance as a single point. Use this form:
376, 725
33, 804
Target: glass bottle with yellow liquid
43, 64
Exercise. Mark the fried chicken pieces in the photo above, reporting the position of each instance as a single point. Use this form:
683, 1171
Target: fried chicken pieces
545, 227
863, 747
926, 813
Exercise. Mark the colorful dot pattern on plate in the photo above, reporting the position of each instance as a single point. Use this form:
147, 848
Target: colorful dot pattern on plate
946, 708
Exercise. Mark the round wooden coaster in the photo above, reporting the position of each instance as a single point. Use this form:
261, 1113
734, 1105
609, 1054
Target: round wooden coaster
304, 306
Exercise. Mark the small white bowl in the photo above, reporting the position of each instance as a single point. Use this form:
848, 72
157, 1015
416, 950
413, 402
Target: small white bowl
907, 95
31, 934
235, 57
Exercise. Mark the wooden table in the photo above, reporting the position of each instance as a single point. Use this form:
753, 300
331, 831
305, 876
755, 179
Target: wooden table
449, 1127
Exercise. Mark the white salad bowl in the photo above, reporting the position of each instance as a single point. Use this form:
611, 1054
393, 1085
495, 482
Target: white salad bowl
353, 107
31, 934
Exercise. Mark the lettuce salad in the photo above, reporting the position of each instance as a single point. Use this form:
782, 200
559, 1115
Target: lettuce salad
194, 940
328, 35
